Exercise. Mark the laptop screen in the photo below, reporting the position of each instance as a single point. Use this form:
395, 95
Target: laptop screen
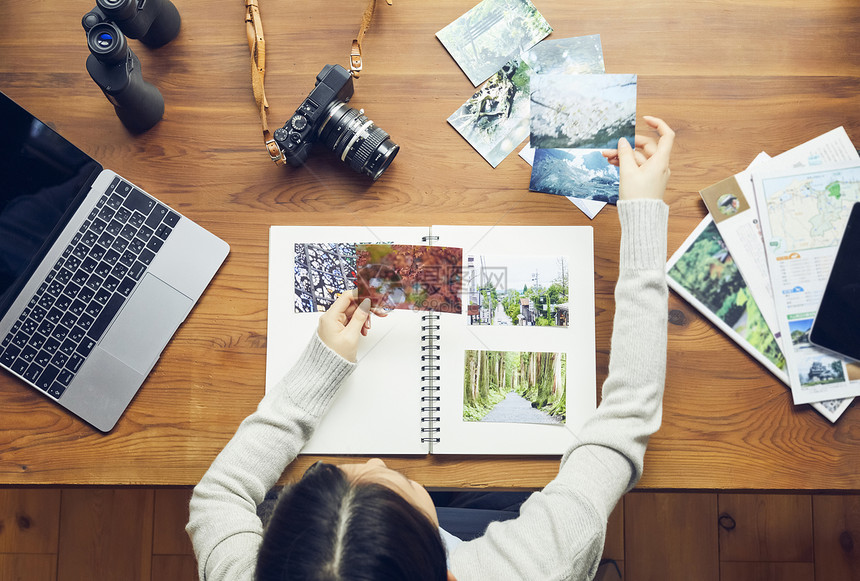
41, 175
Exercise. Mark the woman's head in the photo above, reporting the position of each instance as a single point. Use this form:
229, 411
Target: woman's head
356, 522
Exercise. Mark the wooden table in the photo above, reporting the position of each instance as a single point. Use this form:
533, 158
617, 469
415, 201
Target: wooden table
732, 78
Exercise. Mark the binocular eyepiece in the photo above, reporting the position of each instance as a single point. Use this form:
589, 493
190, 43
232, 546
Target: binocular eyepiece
107, 43
113, 65
153, 22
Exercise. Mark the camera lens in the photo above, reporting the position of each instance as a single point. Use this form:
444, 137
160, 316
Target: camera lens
107, 43
357, 140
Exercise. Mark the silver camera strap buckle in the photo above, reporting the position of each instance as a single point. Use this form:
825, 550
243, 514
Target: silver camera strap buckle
355, 59
275, 152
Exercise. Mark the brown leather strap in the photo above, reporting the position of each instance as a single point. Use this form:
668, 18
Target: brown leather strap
355, 63
257, 46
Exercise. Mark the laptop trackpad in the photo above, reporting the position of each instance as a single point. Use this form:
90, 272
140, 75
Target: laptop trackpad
146, 323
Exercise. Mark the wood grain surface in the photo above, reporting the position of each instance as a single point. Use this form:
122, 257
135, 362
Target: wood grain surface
733, 78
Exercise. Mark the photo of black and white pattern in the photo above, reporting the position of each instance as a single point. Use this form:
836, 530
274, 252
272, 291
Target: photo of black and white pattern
323, 271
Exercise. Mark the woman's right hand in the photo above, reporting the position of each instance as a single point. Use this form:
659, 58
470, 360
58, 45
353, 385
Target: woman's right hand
343, 324
644, 172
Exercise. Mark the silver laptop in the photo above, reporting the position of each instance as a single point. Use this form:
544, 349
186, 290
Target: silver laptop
95, 274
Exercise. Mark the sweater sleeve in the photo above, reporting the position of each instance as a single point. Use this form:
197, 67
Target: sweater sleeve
631, 406
561, 530
223, 524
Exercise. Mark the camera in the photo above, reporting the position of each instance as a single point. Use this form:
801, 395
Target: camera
325, 117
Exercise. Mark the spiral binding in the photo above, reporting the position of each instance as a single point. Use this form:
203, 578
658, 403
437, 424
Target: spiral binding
430, 377
429, 238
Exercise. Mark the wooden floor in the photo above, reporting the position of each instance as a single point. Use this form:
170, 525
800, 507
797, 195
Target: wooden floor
137, 534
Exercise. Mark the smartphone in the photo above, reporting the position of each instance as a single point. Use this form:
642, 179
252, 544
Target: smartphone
837, 324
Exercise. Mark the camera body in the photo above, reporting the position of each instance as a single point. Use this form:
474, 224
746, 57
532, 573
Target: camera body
296, 138
324, 116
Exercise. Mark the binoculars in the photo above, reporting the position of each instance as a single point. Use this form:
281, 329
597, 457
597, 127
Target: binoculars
113, 65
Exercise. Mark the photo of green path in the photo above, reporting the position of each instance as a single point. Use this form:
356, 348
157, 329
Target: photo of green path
514, 387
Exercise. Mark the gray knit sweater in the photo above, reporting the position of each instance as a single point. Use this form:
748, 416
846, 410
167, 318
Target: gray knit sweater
560, 531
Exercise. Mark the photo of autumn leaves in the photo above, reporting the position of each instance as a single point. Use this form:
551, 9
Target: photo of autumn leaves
423, 278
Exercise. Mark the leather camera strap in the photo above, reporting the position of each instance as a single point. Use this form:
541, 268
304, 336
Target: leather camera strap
355, 53
257, 45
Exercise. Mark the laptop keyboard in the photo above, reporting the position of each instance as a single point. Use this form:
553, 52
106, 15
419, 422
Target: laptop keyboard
86, 288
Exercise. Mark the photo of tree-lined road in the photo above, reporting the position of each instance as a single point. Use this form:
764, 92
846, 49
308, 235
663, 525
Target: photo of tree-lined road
518, 290
514, 387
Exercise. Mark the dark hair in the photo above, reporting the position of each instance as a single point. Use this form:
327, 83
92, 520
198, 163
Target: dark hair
327, 528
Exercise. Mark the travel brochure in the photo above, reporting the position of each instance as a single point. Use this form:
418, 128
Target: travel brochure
803, 215
554, 91
779, 223
705, 273
731, 203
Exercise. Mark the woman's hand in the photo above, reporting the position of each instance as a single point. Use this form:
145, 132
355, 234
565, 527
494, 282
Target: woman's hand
644, 171
343, 324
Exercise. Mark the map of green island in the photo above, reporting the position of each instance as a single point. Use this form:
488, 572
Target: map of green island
811, 211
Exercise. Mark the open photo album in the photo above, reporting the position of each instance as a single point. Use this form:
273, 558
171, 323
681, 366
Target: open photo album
488, 345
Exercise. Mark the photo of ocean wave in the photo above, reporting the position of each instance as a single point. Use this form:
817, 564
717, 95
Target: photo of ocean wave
574, 173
